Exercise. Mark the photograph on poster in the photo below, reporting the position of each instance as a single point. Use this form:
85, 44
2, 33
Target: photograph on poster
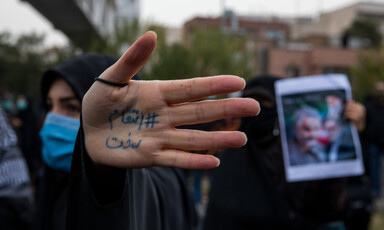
317, 142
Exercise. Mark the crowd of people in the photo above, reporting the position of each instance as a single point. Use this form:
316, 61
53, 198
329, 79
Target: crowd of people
108, 150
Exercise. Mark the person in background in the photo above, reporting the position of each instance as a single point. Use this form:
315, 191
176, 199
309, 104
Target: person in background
63, 88
374, 136
249, 189
16, 200
8, 105
126, 169
26, 124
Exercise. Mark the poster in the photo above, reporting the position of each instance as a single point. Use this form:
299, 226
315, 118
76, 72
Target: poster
318, 143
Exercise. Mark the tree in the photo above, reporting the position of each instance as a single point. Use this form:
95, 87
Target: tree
210, 53
172, 61
216, 52
125, 33
23, 61
366, 30
369, 71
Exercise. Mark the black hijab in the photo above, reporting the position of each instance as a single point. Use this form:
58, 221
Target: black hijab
262, 128
249, 190
79, 72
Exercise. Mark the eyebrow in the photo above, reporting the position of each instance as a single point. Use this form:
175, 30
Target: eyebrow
64, 99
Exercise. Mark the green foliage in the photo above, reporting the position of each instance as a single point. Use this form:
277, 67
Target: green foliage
175, 62
125, 33
168, 61
22, 62
369, 71
215, 52
210, 53
365, 29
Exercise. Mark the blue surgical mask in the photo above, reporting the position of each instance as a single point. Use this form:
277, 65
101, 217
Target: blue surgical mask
58, 137
7, 105
22, 104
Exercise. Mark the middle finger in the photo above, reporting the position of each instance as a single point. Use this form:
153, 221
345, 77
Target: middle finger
210, 110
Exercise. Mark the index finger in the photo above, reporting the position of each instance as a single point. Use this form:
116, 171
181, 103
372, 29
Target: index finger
132, 60
198, 88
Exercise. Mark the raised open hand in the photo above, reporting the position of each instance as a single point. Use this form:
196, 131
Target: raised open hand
134, 126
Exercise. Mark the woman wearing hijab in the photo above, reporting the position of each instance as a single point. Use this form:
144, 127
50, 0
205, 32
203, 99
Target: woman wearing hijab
249, 190
63, 88
126, 127
124, 171
15, 191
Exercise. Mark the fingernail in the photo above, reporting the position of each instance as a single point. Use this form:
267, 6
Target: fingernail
258, 112
218, 162
153, 32
245, 83
246, 139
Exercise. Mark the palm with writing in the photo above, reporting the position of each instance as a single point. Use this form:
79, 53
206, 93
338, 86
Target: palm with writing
134, 126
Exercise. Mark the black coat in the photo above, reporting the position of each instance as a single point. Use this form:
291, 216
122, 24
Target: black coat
134, 199
374, 130
79, 72
51, 200
249, 191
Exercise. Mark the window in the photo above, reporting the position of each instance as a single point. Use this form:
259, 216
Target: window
292, 71
335, 69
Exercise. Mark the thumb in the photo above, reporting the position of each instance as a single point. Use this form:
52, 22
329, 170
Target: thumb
132, 60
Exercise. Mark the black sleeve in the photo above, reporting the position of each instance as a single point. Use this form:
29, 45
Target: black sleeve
126, 199
94, 193
106, 182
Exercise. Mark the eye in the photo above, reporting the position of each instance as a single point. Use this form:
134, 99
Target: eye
74, 109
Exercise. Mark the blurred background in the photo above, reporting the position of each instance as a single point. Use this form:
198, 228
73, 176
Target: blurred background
287, 38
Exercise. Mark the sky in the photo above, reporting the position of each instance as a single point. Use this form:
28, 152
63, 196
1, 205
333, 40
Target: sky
19, 17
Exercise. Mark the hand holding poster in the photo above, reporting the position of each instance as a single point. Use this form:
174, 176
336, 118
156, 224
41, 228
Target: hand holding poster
318, 143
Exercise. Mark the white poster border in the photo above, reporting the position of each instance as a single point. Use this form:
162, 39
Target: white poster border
319, 170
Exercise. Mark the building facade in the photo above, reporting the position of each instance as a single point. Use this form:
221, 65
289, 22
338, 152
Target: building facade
313, 61
332, 25
262, 31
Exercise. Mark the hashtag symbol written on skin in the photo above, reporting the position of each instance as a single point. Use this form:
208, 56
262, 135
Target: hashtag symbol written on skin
134, 117
150, 120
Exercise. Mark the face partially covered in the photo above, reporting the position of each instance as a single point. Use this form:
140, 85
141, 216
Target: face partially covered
62, 100
61, 125
261, 128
